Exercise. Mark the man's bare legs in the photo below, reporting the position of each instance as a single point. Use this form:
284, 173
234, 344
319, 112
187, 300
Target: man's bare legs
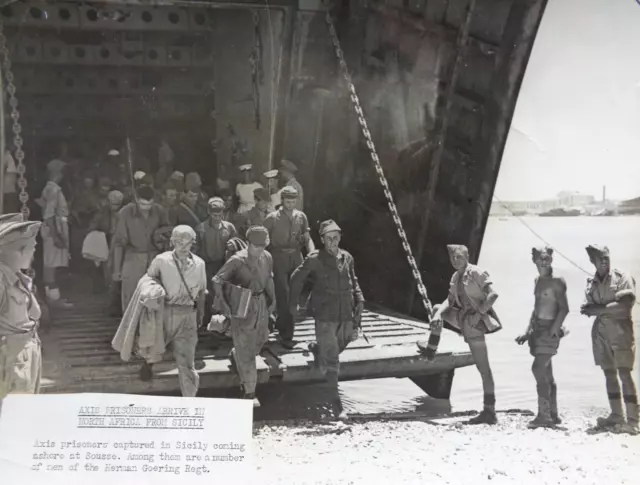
480, 355
543, 373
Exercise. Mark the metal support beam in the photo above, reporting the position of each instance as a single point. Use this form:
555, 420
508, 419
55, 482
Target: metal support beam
2, 142
248, 4
434, 169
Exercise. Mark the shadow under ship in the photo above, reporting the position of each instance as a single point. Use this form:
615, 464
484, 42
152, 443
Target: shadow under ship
252, 81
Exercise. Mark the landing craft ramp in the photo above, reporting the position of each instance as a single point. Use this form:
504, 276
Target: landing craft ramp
78, 356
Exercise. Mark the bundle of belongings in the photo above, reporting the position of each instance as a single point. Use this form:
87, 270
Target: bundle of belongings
144, 319
95, 247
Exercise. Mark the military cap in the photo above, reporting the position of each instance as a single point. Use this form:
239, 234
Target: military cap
328, 226
539, 251
56, 165
271, 173
595, 250
177, 175
216, 204
8, 218
17, 231
139, 175
289, 192
261, 193
258, 236
289, 166
115, 197
113, 153
246, 167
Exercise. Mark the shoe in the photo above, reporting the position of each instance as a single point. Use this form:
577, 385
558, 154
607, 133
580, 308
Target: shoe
146, 372
485, 417
288, 344
252, 396
611, 421
627, 428
543, 419
555, 418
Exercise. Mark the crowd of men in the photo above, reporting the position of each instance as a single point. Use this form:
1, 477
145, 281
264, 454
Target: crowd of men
174, 254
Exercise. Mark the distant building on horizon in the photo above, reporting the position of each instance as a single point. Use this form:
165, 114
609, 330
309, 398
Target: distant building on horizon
564, 199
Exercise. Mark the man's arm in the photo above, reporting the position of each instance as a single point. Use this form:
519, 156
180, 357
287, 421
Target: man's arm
120, 241
484, 281
306, 234
298, 278
625, 299
223, 276
560, 286
200, 300
270, 289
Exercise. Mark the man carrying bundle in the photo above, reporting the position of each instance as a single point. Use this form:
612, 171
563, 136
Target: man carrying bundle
20, 349
251, 269
468, 309
544, 333
610, 296
289, 232
336, 299
182, 274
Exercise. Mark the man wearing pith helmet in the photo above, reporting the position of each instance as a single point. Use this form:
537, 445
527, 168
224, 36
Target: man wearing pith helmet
336, 301
20, 351
289, 233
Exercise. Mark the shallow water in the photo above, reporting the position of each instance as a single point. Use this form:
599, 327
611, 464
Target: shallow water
506, 254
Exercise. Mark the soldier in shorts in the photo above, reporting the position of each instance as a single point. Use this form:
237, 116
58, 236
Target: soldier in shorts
610, 296
543, 334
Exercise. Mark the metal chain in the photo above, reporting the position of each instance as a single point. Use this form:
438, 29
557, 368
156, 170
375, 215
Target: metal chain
422, 290
17, 128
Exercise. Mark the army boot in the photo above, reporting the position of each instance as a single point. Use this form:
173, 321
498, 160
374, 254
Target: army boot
554, 404
488, 414
543, 419
616, 418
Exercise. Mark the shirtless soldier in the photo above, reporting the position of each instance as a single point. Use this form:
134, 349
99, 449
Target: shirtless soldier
610, 296
544, 333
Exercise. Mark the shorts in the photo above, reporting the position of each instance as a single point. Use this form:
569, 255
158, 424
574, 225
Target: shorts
540, 341
472, 327
614, 345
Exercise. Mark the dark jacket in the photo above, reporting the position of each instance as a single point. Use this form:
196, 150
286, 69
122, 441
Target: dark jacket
335, 289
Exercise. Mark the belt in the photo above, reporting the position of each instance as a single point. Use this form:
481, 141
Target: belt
33, 332
257, 294
286, 250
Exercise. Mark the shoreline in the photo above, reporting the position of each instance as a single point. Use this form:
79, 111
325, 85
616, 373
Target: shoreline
417, 449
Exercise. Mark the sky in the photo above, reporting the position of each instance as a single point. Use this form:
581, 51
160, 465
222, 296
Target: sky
577, 120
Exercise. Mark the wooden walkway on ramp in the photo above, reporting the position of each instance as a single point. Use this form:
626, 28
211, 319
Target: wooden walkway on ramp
78, 356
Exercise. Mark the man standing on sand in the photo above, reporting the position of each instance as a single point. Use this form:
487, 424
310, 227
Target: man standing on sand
20, 349
133, 247
289, 233
250, 268
336, 299
182, 275
469, 308
544, 333
610, 296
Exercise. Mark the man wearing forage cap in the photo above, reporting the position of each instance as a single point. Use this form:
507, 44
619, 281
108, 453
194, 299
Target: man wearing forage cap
289, 232
610, 296
469, 310
336, 301
250, 268
288, 172
20, 350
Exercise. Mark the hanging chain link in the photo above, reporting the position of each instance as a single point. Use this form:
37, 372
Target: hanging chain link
422, 290
16, 128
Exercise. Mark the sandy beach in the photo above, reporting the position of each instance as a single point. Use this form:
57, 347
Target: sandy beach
445, 451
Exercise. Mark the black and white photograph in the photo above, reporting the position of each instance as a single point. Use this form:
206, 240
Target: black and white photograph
401, 235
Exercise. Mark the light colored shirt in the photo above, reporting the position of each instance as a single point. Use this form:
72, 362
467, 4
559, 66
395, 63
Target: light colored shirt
163, 268
245, 193
19, 309
614, 287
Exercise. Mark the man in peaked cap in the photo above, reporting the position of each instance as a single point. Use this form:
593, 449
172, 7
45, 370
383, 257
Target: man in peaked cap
250, 268
609, 297
289, 233
274, 193
336, 301
245, 188
288, 172
469, 310
19, 309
